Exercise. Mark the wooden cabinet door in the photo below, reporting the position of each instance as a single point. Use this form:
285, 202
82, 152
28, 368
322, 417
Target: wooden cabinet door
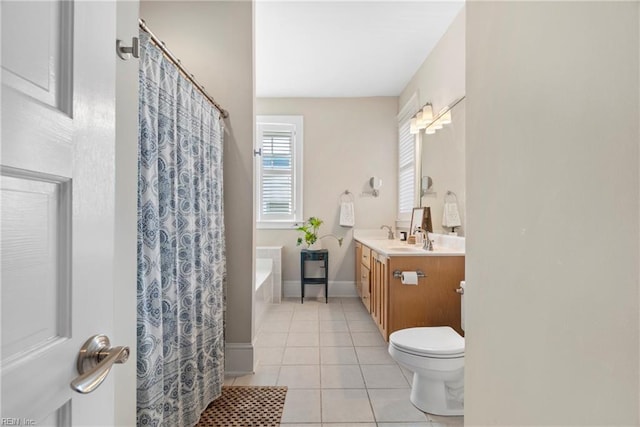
434, 301
365, 282
359, 269
375, 285
384, 297
379, 292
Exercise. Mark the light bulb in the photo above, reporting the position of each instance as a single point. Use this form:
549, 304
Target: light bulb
427, 113
420, 123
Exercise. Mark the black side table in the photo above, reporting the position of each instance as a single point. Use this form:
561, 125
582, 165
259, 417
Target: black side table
317, 255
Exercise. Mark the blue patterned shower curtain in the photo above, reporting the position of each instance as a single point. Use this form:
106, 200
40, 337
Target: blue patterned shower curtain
181, 246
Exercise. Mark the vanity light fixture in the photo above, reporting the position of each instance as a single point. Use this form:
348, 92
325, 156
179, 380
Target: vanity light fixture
425, 119
427, 114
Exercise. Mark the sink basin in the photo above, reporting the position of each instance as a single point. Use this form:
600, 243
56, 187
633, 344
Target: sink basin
405, 249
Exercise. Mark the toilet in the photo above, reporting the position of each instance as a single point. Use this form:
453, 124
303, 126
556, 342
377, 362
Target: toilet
435, 355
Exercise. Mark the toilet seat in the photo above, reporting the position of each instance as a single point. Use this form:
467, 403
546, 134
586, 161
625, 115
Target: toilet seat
437, 342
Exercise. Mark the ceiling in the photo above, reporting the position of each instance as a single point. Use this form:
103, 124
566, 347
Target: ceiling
344, 48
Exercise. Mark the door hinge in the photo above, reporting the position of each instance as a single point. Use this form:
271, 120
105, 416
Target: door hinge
257, 152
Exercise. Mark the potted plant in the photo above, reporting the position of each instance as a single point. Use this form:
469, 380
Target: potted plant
310, 229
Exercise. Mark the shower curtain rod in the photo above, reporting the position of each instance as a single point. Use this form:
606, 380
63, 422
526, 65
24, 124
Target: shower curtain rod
161, 45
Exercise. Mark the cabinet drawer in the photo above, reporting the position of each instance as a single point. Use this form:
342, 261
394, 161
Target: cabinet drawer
364, 278
365, 258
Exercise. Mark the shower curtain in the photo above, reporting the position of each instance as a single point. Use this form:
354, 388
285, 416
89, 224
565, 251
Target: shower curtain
181, 247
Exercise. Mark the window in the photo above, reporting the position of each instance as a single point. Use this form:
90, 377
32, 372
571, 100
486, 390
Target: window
406, 171
406, 160
278, 171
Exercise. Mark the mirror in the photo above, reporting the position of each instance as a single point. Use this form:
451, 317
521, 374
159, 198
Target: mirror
443, 160
426, 185
421, 217
375, 183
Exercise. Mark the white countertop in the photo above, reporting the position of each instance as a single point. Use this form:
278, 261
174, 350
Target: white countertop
377, 240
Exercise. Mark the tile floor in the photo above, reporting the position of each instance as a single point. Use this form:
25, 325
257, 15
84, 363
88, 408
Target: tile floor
335, 363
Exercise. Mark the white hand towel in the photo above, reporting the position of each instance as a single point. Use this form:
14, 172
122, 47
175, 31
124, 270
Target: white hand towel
450, 215
347, 214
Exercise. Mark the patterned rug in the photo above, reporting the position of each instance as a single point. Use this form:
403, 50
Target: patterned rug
245, 406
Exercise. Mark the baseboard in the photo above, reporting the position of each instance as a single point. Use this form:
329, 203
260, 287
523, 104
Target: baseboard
291, 288
238, 359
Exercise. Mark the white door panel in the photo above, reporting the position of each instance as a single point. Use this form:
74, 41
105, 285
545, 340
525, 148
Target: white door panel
57, 190
44, 31
35, 264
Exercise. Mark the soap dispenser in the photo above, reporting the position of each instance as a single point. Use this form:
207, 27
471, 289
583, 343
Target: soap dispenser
419, 236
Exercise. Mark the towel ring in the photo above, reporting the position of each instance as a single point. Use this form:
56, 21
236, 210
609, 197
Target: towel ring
451, 197
347, 196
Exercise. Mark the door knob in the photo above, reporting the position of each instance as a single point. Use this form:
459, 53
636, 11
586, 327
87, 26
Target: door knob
95, 360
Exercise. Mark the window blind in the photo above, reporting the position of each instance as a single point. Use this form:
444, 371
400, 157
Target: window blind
406, 162
277, 171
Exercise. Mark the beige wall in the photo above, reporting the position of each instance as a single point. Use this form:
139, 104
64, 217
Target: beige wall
552, 333
441, 80
346, 141
214, 40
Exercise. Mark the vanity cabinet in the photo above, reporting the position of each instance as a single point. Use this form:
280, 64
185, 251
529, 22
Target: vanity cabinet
394, 306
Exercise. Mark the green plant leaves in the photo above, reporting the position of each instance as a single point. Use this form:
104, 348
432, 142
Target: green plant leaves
310, 230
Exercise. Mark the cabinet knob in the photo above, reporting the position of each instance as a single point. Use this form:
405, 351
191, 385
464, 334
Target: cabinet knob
460, 291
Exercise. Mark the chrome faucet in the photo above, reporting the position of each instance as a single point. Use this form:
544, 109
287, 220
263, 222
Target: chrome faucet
428, 243
390, 236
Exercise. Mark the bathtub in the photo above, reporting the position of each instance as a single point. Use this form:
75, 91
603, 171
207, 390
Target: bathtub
264, 273
273, 253
263, 287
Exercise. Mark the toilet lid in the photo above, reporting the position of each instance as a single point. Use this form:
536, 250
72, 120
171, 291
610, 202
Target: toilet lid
440, 341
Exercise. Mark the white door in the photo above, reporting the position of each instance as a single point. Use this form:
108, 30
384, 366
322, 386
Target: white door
57, 195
